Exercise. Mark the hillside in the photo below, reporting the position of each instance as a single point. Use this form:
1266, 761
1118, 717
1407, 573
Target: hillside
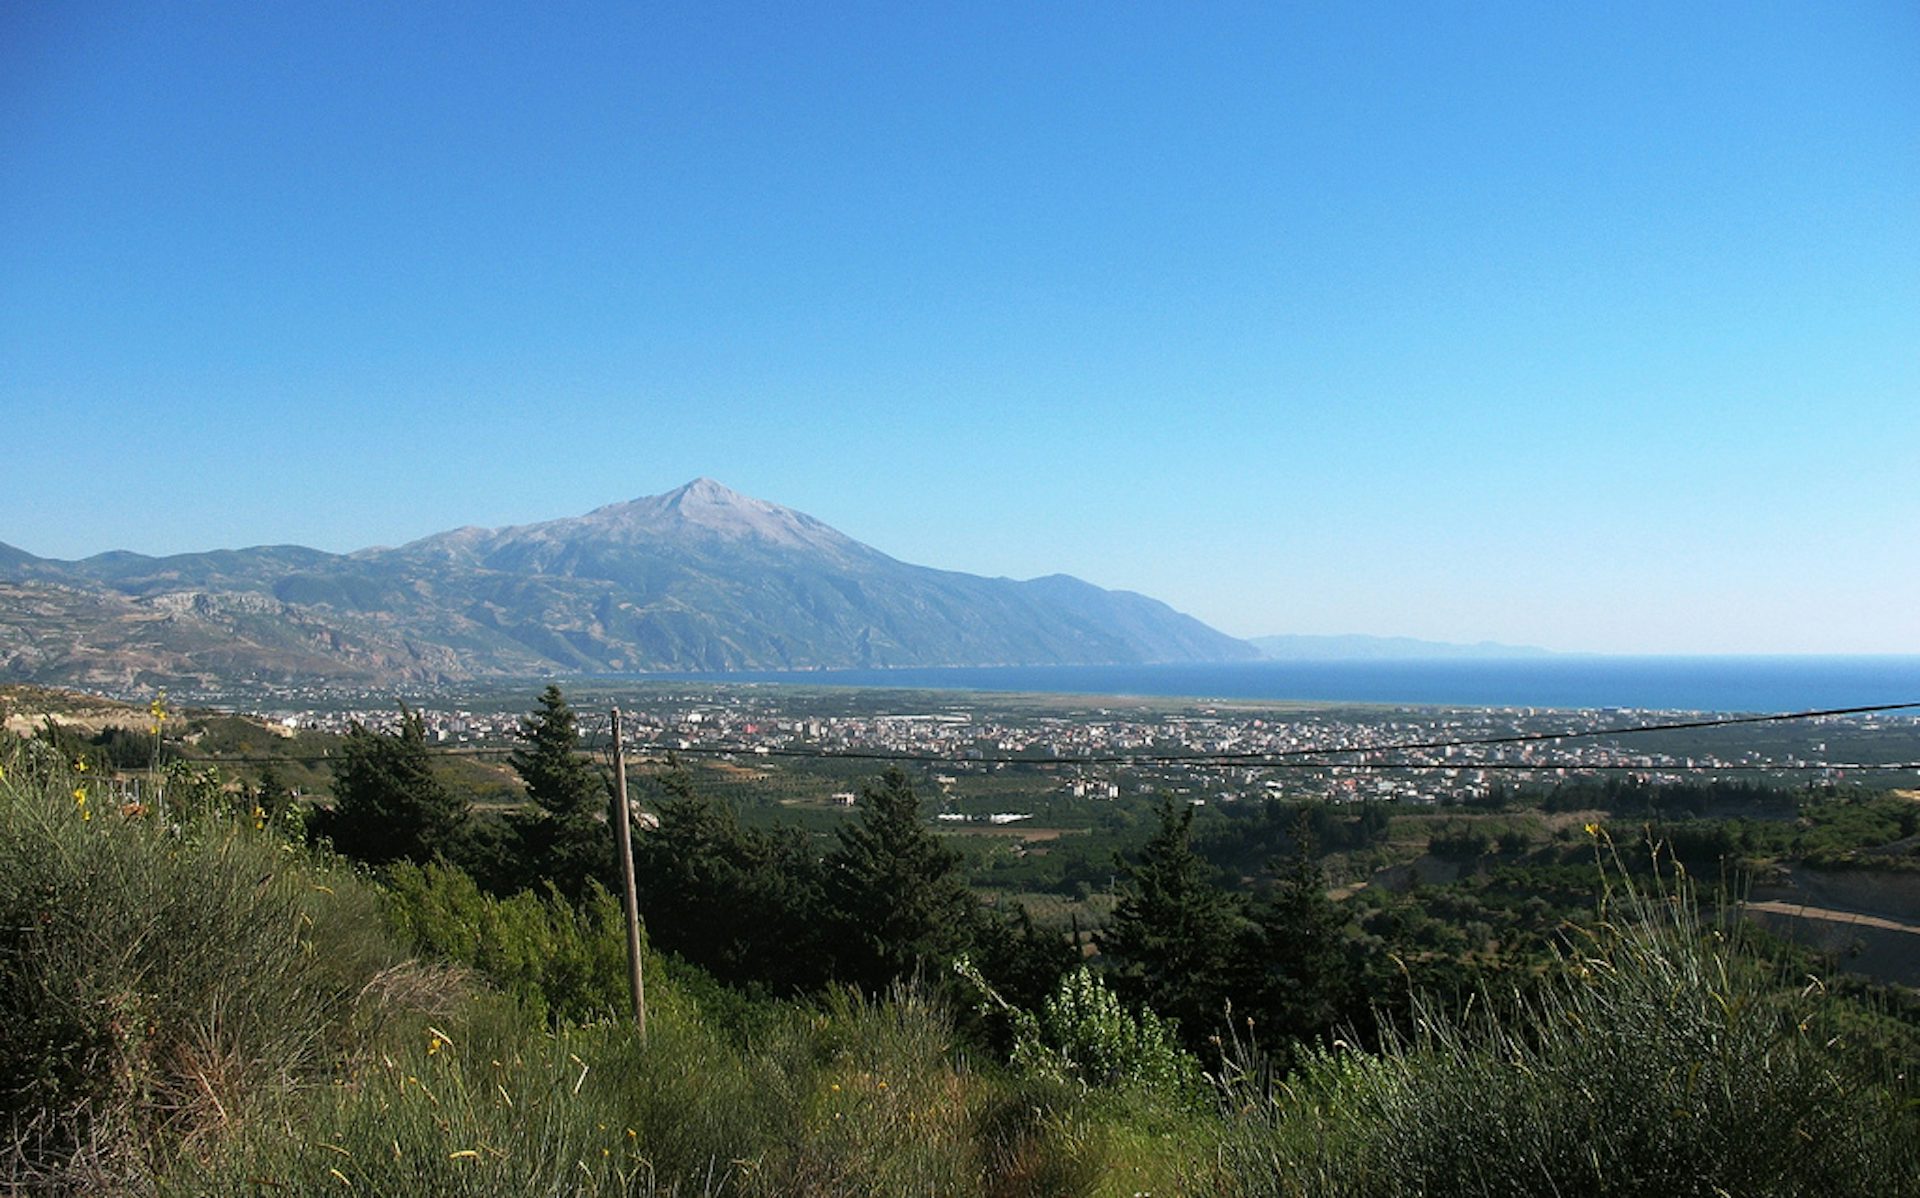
700, 578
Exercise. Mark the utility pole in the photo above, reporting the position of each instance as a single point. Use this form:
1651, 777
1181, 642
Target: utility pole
623, 836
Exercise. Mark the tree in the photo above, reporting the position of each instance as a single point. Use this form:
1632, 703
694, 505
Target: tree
895, 891
567, 841
1295, 974
742, 903
389, 805
1173, 932
556, 776
1024, 964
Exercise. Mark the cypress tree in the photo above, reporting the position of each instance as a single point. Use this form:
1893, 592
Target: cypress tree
561, 781
1296, 974
742, 903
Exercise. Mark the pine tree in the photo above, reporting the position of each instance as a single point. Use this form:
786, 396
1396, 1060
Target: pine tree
556, 776
1294, 973
1173, 932
567, 841
389, 805
741, 902
894, 891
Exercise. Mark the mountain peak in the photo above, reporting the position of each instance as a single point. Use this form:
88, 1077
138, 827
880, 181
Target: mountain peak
704, 488
704, 492
706, 510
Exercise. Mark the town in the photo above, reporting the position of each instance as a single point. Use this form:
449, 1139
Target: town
1086, 748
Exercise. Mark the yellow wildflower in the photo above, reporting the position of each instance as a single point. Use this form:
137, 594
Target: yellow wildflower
1593, 829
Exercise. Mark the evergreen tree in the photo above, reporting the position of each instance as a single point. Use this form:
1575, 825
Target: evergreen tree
556, 776
740, 902
1294, 973
1174, 930
1024, 964
1024, 961
894, 891
389, 805
567, 841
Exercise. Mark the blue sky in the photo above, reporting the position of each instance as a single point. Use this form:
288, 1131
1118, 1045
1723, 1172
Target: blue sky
1594, 326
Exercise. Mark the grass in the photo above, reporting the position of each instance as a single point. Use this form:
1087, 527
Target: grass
157, 977
854, 1097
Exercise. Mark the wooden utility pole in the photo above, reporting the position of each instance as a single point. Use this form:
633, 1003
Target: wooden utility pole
623, 835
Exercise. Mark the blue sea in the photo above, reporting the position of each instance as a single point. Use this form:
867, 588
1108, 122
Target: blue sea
1705, 684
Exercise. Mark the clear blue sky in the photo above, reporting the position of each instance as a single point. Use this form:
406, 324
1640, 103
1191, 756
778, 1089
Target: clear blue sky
1594, 326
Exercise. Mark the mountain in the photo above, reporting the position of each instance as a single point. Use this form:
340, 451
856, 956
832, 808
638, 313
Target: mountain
700, 578
1380, 648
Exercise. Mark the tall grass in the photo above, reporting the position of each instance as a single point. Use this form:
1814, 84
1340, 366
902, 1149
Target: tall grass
854, 1097
1660, 1059
155, 978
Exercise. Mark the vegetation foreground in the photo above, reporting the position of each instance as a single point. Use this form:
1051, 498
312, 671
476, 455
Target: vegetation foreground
192, 1002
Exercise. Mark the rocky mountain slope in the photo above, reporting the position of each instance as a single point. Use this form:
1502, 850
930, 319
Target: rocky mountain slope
701, 578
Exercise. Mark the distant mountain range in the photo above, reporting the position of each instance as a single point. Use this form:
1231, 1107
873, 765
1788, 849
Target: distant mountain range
699, 579
1381, 648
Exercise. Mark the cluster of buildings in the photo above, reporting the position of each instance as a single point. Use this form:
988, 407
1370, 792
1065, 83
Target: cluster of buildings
1206, 753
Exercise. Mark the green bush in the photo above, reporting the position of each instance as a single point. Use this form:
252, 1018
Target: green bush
1658, 1060
156, 977
1083, 1033
566, 963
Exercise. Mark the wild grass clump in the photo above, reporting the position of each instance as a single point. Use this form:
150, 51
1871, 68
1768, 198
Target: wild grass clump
155, 977
854, 1097
1659, 1059
440, 1116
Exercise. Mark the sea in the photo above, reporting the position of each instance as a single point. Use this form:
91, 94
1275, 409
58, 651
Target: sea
1746, 685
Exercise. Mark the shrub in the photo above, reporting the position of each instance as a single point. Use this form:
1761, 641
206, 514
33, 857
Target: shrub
155, 978
1659, 1059
565, 963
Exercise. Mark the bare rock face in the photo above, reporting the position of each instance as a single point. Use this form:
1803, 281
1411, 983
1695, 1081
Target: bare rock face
700, 578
